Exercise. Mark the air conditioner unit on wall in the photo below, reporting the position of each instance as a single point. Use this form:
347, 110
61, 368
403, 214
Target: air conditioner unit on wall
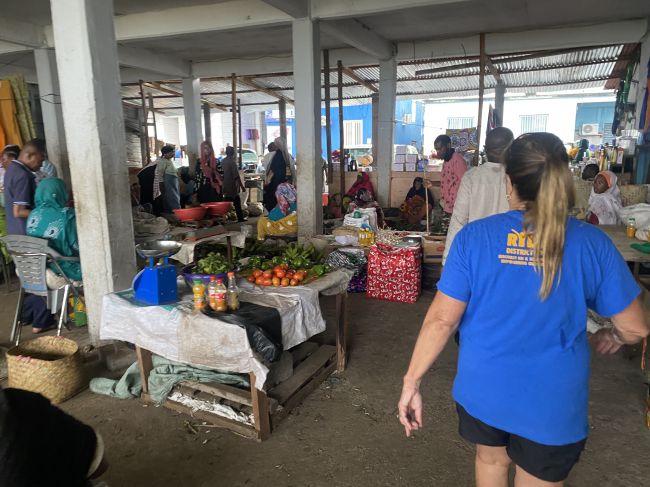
589, 129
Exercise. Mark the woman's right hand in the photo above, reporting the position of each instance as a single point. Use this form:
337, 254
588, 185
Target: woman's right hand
410, 407
605, 342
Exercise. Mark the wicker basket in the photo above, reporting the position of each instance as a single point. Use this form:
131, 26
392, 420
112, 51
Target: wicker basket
633, 194
48, 365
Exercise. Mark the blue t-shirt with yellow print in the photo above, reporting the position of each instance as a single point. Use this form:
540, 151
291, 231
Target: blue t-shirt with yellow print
523, 363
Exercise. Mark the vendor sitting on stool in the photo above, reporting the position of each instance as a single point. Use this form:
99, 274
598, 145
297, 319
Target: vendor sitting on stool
605, 200
414, 208
363, 200
282, 219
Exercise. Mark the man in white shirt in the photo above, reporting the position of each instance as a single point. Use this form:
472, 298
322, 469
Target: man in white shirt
266, 160
482, 191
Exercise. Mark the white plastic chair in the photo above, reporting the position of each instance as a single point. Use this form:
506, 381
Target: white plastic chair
31, 256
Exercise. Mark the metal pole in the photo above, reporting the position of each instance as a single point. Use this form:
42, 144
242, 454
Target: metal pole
341, 130
239, 131
282, 106
328, 117
481, 90
207, 122
233, 109
146, 157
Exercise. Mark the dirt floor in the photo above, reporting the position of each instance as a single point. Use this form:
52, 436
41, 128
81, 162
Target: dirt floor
346, 432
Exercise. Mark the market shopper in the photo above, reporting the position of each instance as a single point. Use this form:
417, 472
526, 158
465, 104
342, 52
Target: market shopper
453, 169
590, 172
263, 166
232, 184
605, 200
281, 170
208, 175
51, 219
482, 190
166, 182
518, 286
583, 151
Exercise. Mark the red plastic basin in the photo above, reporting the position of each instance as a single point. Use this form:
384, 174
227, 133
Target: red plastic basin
189, 214
218, 208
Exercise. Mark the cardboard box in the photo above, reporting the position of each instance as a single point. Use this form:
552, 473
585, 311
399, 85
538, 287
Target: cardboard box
401, 149
398, 166
433, 248
409, 167
411, 158
401, 158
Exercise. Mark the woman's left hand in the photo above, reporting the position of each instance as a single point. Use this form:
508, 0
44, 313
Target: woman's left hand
410, 408
604, 341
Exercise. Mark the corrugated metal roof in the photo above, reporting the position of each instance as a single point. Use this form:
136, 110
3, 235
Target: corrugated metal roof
569, 69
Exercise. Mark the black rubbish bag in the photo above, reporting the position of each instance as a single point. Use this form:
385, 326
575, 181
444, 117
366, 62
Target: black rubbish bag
263, 327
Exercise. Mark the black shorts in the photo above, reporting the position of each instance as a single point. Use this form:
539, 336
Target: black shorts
549, 463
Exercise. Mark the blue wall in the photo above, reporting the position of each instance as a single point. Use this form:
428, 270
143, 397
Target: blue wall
597, 112
404, 133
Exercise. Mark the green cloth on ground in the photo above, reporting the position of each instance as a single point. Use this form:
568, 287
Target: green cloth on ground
162, 379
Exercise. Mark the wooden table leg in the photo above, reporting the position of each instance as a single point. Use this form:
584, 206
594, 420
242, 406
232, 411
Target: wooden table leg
260, 411
341, 331
145, 364
636, 270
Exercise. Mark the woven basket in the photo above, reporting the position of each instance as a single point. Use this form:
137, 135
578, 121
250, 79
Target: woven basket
50, 366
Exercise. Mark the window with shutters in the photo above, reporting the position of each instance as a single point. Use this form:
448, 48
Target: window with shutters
456, 123
353, 132
533, 123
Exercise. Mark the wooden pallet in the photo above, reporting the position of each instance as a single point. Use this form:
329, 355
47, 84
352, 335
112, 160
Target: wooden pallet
267, 408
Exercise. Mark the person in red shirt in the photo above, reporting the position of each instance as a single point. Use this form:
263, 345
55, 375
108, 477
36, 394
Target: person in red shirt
453, 170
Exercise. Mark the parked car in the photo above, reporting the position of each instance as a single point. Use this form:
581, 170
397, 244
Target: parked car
249, 160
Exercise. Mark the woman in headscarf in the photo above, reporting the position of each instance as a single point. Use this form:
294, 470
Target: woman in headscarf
363, 181
280, 171
209, 175
285, 195
605, 200
414, 208
52, 220
583, 151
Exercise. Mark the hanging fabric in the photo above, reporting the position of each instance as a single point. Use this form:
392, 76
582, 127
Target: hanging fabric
23, 110
8, 119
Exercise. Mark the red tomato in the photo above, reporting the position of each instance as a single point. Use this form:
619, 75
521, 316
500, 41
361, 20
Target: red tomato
251, 279
267, 282
293, 282
280, 273
257, 273
259, 281
284, 266
276, 281
285, 282
268, 274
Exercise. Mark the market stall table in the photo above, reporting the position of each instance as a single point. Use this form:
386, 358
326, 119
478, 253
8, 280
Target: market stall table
618, 235
179, 333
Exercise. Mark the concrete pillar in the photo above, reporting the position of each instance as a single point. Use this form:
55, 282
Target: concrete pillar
86, 56
375, 124
282, 108
48, 88
192, 110
307, 93
385, 135
499, 101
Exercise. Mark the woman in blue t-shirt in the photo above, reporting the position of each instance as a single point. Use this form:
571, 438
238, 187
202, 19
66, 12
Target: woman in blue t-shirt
517, 286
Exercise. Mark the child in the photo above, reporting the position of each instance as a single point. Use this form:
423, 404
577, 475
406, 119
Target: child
605, 200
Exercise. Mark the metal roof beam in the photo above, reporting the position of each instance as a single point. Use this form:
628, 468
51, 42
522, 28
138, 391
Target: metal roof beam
298, 9
355, 34
360, 80
493, 69
157, 86
249, 82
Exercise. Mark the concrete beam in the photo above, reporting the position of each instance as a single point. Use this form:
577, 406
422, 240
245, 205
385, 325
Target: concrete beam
355, 34
23, 33
163, 63
296, 8
10, 48
356, 8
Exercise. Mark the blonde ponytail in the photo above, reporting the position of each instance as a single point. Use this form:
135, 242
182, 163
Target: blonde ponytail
547, 219
538, 167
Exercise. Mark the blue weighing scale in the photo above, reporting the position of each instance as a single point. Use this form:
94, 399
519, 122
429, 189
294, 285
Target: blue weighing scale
156, 283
